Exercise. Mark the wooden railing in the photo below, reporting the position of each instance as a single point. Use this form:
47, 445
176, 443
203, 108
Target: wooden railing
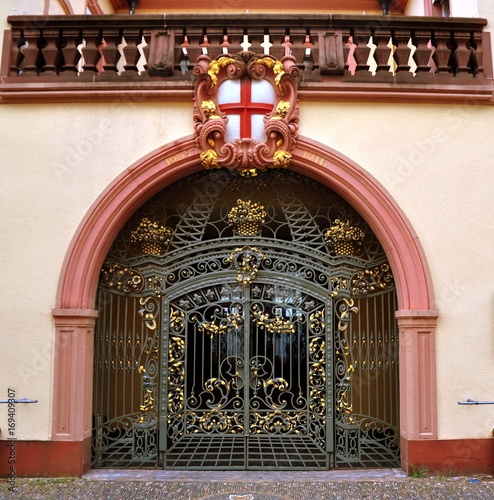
124, 49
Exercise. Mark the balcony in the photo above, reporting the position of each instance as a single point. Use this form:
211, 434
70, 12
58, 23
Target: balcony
152, 57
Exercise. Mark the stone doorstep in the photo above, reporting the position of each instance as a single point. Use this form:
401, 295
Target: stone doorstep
350, 475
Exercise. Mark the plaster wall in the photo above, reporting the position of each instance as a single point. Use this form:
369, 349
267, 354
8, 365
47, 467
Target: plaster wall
435, 160
415, 8
106, 6
55, 162
464, 8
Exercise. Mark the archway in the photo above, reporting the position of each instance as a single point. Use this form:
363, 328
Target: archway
74, 315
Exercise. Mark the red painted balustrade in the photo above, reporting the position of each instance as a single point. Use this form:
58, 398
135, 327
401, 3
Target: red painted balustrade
164, 48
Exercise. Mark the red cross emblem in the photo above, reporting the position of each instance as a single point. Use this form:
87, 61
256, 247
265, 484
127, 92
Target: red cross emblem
246, 102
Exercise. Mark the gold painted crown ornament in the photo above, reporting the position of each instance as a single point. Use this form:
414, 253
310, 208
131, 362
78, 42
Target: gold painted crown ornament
247, 217
152, 237
343, 237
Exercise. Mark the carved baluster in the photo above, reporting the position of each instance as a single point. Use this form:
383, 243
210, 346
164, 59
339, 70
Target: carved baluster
214, 49
381, 54
32, 55
51, 52
348, 48
91, 53
70, 51
361, 54
205, 43
308, 59
112, 38
442, 53
298, 50
422, 54
225, 46
131, 52
194, 51
463, 55
183, 56
277, 50
287, 44
402, 54
146, 49
266, 43
16, 55
236, 38
478, 54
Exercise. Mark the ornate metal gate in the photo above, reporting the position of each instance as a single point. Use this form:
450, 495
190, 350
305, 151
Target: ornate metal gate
246, 322
255, 392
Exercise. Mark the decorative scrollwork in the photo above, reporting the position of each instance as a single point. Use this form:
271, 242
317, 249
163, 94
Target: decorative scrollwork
148, 390
156, 284
274, 325
338, 285
176, 379
215, 421
365, 282
317, 323
176, 320
346, 307
247, 261
226, 325
147, 312
344, 367
176, 349
124, 279
278, 422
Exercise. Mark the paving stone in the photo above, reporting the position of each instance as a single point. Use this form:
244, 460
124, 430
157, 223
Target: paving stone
344, 485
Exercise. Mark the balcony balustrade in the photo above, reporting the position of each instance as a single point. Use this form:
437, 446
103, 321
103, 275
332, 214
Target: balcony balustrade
61, 57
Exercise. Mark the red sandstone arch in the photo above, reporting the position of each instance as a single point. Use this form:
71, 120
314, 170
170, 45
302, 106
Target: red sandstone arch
75, 315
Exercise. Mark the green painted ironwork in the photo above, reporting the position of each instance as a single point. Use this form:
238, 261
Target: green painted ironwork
227, 339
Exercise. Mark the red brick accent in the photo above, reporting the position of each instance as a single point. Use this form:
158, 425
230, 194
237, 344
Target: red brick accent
46, 458
72, 458
456, 456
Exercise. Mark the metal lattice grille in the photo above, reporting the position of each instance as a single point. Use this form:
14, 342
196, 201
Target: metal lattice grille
234, 452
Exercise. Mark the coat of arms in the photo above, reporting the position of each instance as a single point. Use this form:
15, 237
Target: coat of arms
246, 111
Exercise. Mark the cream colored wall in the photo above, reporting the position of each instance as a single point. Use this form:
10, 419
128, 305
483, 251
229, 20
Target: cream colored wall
438, 163
415, 8
464, 8
56, 160
106, 6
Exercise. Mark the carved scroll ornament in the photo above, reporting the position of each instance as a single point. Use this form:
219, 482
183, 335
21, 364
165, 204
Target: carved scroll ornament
212, 117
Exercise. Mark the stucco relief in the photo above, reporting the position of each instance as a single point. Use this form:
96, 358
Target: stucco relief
246, 111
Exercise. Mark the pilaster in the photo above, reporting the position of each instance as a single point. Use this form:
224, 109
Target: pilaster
73, 377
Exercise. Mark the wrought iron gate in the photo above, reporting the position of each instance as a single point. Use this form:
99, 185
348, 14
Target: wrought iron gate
246, 323
247, 378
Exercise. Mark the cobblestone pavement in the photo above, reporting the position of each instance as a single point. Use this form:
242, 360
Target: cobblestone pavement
368, 485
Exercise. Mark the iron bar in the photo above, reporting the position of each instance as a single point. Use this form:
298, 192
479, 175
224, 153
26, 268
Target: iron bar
474, 402
23, 400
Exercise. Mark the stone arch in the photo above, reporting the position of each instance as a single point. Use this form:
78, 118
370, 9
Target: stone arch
75, 316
